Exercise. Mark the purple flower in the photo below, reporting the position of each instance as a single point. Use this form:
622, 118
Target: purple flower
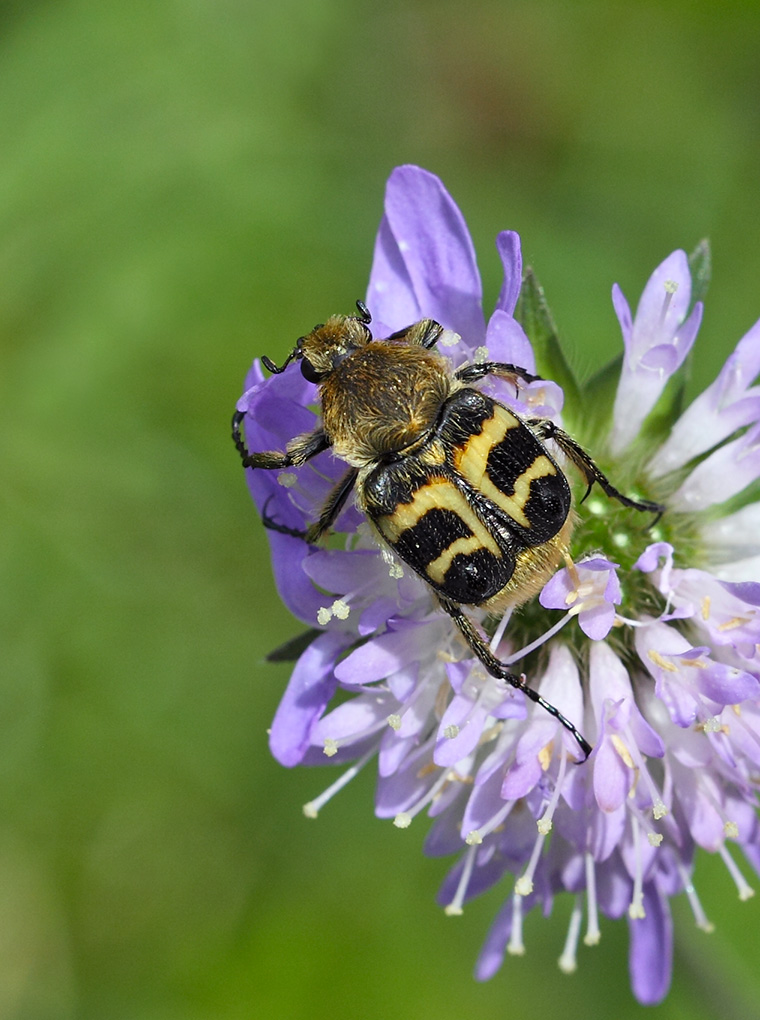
589, 590
648, 641
656, 342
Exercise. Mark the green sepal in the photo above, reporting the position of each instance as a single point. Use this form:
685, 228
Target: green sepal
598, 397
700, 264
293, 649
532, 312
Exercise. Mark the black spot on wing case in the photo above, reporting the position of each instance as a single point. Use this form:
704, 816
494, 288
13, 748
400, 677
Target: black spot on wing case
495, 451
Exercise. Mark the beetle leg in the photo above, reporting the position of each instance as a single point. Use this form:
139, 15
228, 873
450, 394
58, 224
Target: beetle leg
497, 669
480, 369
300, 449
424, 333
281, 529
545, 429
333, 506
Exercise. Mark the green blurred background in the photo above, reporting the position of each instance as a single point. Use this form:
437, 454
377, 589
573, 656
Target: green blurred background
184, 185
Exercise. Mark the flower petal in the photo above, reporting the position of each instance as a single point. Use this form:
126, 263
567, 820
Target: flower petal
508, 246
309, 690
651, 953
425, 259
506, 341
387, 653
726, 472
656, 344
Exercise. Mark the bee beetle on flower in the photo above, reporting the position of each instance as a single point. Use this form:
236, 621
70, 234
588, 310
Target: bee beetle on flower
461, 488
446, 456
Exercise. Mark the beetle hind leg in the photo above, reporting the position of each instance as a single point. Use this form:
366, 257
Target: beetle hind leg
545, 429
497, 669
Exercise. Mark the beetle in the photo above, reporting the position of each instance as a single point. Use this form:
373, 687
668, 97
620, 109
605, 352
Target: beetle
455, 483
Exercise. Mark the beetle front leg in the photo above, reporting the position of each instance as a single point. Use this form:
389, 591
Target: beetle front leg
497, 669
480, 369
299, 450
424, 333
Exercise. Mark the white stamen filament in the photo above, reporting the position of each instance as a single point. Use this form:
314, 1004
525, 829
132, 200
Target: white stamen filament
515, 946
312, 809
524, 884
504, 742
478, 835
630, 623
454, 908
539, 641
636, 909
544, 823
333, 744
593, 933
568, 962
671, 286
745, 890
730, 828
700, 917
419, 691
481, 685
659, 810
499, 632
404, 818
654, 838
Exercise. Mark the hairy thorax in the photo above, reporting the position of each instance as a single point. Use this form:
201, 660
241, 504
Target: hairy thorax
383, 399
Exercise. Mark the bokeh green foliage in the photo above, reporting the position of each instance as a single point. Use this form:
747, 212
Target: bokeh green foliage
184, 185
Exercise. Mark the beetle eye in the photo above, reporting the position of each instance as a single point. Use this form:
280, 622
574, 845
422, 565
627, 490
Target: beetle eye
309, 372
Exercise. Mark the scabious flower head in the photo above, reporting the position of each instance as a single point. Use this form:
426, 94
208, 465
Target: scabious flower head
648, 641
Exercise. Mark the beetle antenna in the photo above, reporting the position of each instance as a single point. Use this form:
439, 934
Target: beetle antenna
270, 366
